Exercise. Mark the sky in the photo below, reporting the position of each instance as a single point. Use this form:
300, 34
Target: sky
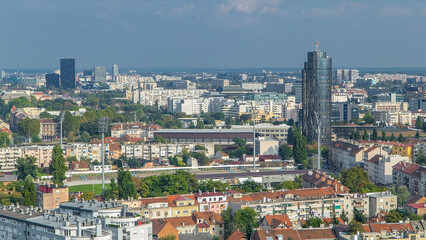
184, 34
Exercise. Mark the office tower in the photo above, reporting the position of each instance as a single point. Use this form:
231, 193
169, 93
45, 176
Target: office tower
298, 90
87, 73
100, 74
316, 96
68, 73
52, 80
2, 74
114, 71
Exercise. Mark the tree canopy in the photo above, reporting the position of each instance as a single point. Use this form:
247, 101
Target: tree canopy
57, 166
26, 167
357, 181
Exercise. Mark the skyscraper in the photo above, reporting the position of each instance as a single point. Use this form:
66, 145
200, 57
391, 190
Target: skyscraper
68, 73
114, 71
100, 74
316, 96
52, 80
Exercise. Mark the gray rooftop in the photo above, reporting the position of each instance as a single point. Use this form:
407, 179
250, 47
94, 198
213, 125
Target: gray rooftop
89, 206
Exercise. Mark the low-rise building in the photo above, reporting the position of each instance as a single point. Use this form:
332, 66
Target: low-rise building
211, 201
413, 176
381, 202
344, 155
50, 197
379, 168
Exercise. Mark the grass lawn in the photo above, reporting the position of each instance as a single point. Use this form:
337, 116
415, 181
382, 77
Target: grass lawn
86, 188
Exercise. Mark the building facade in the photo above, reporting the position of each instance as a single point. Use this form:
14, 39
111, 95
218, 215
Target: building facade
316, 96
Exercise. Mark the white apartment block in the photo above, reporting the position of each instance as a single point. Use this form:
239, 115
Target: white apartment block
154, 151
85, 150
267, 130
160, 96
379, 168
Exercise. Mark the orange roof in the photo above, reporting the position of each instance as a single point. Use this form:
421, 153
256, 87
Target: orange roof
283, 218
145, 201
181, 221
209, 217
173, 198
237, 235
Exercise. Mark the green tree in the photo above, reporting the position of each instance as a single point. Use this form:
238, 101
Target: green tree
4, 139
383, 138
344, 217
392, 138
245, 220
26, 167
159, 139
335, 221
419, 122
394, 216
126, 186
365, 136
45, 115
400, 138
417, 134
300, 152
402, 193
230, 227
57, 166
85, 137
313, 222
71, 123
290, 136
355, 227
29, 127
357, 180
250, 186
29, 192
285, 151
359, 216
368, 118
421, 158
112, 191
168, 237
374, 135
210, 186
87, 195
286, 185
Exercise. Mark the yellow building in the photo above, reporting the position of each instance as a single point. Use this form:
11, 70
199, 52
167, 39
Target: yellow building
403, 150
183, 205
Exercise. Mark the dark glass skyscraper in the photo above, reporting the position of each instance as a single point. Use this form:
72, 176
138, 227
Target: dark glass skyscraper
316, 96
68, 73
52, 80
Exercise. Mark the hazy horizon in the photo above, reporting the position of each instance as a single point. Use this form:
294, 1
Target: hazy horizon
224, 34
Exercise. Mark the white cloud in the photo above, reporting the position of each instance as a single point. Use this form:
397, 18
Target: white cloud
327, 12
180, 11
249, 6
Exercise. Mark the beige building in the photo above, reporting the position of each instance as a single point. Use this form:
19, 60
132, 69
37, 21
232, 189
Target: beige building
50, 197
391, 106
49, 129
381, 202
379, 168
346, 155
42, 153
267, 146
93, 152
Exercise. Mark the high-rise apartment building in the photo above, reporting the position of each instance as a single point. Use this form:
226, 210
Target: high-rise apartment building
114, 71
345, 75
68, 73
100, 74
52, 80
316, 96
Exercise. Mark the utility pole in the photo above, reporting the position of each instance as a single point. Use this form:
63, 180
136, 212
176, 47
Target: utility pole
254, 132
62, 114
103, 126
318, 165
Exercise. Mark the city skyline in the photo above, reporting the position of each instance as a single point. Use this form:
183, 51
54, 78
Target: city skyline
224, 34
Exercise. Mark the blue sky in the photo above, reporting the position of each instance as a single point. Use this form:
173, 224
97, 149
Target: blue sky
211, 33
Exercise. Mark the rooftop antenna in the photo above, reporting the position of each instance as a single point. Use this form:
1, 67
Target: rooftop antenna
316, 45
103, 125
62, 114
